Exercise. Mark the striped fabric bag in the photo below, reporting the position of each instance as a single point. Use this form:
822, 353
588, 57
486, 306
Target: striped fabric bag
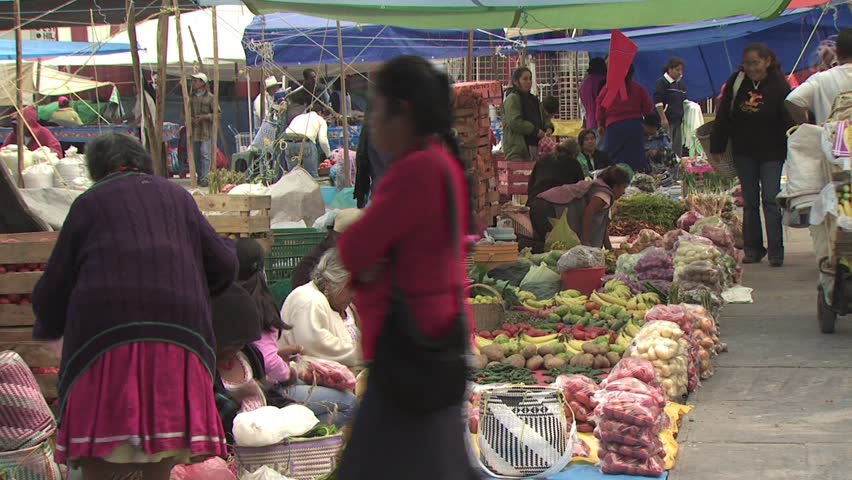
25, 418
26, 424
524, 432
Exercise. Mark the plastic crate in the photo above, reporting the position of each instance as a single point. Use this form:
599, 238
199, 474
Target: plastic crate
288, 247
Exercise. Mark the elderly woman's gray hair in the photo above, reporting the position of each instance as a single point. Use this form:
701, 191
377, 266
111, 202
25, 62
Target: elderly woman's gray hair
330, 275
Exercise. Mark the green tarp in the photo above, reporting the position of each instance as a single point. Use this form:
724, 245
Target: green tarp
532, 14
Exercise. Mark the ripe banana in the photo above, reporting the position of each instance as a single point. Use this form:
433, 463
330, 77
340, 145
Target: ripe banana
595, 297
539, 340
575, 345
612, 299
483, 342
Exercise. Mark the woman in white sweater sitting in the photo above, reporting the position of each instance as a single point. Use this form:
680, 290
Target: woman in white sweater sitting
323, 322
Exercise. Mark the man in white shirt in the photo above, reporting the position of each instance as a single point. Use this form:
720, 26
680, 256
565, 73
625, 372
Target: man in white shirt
301, 136
264, 102
817, 94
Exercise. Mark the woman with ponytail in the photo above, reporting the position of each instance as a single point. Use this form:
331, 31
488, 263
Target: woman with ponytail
753, 117
406, 257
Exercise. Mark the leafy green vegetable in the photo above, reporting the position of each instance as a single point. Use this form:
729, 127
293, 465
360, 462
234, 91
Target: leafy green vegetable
656, 210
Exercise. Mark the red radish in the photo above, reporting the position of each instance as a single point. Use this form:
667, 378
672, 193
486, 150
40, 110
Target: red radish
2, 269
24, 301
5, 301
485, 334
14, 297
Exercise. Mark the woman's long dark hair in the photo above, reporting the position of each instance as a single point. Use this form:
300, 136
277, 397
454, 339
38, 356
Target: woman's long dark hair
516, 80
428, 93
597, 65
251, 256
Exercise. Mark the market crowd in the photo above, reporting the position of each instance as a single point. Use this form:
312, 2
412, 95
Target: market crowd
170, 331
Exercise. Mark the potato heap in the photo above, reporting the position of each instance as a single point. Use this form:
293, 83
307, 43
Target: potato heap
662, 344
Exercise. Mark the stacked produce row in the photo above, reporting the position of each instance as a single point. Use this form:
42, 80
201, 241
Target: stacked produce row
639, 341
473, 127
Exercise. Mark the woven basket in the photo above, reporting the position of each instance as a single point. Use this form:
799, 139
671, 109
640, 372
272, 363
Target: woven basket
297, 458
525, 432
488, 316
724, 163
22, 403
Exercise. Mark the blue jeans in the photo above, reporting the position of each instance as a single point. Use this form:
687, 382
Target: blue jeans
307, 151
328, 404
202, 160
761, 183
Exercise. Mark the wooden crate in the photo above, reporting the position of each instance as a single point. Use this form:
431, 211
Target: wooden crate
16, 321
513, 177
239, 216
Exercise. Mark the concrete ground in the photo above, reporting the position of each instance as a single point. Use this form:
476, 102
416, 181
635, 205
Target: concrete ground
780, 404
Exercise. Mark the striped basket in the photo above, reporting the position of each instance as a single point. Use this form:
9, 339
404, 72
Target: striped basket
298, 458
25, 416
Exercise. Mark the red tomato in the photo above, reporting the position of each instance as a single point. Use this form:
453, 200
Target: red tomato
2, 269
24, 301
5, 301
13, 298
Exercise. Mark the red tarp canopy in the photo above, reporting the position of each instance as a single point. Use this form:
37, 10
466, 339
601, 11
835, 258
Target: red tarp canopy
806, 3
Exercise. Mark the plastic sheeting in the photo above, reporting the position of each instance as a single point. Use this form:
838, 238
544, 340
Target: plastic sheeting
532, 14
302, 40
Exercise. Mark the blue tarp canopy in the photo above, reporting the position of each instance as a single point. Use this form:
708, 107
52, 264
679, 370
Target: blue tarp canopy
303, 40
36, 49
712, 50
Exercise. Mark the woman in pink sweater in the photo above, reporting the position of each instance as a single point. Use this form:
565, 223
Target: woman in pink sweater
621, 124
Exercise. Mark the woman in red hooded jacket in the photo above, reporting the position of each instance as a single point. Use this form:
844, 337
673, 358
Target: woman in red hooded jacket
35, 135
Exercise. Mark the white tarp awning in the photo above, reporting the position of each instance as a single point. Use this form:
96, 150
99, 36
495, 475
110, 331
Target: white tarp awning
231, 21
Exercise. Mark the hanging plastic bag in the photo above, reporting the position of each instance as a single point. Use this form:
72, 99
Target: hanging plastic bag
263, 473
211, 469
561, 237
325, 373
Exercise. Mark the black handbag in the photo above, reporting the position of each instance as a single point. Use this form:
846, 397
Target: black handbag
421, 374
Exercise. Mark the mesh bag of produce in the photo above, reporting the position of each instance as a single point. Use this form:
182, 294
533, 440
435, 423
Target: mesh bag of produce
702, 272
647, 239
634, 385
581, 256
643, 452
691, 249
671, 238
662, 344
671, 313
626, 264
637, 368
614, 464
629, 407
688, 219
613, 431
655, 264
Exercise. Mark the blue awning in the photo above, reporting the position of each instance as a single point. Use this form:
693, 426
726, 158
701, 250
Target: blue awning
304, 40
36, 49
713, 50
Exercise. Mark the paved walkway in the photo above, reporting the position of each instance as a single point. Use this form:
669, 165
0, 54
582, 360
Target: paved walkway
780, 404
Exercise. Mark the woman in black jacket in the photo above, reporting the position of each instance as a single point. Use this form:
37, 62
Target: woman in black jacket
751, 114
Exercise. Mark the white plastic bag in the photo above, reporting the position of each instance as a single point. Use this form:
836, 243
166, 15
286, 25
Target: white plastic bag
296, 196
39, 175
249, 189
269, 425
262, 473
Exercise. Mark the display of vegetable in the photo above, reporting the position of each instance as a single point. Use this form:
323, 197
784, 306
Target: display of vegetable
501, 373
655, 210
655, 264
627, 228
662, 344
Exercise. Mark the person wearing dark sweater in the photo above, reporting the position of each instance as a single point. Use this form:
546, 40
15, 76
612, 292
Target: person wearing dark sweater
128, 290
752, 115
669, 95
559, 168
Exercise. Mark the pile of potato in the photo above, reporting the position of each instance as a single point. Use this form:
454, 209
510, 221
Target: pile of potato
663, 344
